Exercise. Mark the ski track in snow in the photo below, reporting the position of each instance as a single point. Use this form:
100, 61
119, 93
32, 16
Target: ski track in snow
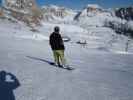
98, 74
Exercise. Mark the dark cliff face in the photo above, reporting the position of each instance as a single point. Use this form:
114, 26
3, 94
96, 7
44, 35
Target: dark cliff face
125, 13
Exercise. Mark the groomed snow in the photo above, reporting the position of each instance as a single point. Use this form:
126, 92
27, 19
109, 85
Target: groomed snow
103, 70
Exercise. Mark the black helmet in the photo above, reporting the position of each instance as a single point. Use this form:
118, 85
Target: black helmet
56, 29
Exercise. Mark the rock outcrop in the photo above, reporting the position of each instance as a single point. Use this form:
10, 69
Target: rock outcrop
125, 13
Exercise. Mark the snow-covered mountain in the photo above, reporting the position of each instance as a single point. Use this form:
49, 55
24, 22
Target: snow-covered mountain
26, 11
90, 10
56, 13
93, 15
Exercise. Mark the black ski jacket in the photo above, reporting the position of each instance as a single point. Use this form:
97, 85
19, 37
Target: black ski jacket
56, 41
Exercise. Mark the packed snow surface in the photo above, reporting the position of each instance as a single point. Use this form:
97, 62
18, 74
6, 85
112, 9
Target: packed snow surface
103, 69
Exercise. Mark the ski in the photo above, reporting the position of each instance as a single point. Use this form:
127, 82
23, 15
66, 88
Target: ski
60, 66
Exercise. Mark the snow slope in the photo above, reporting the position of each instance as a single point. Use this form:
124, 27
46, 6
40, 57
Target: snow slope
99, 74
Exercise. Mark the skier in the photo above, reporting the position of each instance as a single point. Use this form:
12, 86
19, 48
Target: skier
58, 47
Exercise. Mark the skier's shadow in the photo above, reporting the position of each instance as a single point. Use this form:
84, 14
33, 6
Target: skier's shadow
49, 62
8, 83
42, 60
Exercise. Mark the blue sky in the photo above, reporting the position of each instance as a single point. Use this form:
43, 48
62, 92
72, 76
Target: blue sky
79, 4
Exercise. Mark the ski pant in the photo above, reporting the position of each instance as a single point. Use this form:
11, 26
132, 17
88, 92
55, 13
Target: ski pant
59, 57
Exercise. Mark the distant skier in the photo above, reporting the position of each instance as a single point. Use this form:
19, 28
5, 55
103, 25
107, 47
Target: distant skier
58, 47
